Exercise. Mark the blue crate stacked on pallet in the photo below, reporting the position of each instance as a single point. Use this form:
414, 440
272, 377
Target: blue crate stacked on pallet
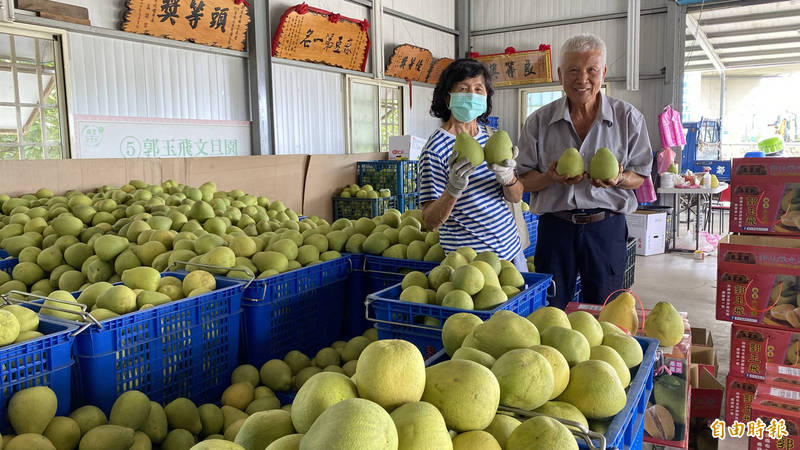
44, 361
397, 319
186, 348
399, 176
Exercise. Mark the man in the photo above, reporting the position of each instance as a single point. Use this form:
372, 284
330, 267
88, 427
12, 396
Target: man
582, 228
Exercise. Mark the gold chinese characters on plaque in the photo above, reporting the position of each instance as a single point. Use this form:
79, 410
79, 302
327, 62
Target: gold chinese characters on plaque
514, 68
318, 36
220, 23
410, 63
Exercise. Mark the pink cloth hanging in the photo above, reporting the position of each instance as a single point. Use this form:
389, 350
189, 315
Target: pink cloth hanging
670, 128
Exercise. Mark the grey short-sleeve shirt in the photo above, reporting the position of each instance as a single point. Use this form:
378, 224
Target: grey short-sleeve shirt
549, 131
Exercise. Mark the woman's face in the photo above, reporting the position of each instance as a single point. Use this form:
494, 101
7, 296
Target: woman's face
474, 85
581, 75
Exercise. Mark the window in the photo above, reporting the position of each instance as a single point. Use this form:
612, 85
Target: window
532, 99
374, 114
32, 120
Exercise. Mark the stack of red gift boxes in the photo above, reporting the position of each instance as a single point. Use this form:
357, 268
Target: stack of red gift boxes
758, 289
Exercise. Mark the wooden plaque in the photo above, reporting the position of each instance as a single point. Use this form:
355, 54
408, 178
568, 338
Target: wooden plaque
220, 23
410, 63
513, 68
437, 69
315, 35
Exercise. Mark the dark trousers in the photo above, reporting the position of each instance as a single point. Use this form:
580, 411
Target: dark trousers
596, 251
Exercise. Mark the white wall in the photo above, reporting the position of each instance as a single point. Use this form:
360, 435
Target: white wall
417, 118
309, 111
113, 77
487, 14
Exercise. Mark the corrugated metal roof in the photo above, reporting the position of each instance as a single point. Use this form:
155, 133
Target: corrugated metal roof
755, 35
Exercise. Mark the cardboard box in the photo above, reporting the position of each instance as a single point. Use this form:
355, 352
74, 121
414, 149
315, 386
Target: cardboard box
706, 390
778, 374
753, 347
406, 146
739, 394
758, 281
649, 228
779, 403
765, 196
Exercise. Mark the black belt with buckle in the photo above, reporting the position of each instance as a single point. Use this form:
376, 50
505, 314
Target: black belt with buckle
583, 218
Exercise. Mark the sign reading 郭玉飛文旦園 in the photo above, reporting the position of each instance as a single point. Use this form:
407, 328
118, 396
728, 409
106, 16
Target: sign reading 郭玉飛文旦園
116, 137
514, 68
318, 36
220, 23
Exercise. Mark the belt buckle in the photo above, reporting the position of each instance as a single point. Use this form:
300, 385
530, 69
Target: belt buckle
581, 219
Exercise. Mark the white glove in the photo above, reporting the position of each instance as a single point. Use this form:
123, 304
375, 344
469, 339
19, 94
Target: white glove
458, 178
505, 172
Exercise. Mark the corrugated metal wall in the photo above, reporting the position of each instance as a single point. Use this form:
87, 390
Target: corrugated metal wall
488, 14
418, 121
309, 111
313, 98
113, 77
397, 31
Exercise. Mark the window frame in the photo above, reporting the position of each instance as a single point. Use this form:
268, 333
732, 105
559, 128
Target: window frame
348, 98
523, 97
60, 59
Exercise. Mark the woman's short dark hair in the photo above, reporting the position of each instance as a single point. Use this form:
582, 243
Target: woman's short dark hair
458, 71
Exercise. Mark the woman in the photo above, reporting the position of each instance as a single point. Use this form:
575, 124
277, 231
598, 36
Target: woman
465, 203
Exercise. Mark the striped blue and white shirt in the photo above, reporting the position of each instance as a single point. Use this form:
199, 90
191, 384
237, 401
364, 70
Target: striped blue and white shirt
481, 218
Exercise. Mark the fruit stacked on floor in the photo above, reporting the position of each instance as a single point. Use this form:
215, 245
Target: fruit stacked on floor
392, 234
70, 242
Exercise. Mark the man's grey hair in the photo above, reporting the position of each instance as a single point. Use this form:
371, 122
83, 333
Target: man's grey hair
586, 42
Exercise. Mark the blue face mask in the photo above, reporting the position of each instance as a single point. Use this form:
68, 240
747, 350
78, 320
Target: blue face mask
466, 106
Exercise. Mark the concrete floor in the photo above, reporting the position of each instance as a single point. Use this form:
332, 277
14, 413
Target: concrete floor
690, 285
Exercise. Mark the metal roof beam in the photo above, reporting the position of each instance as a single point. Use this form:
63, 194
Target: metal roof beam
750, 43
725, 4
750, 32
562, 22
751, 63
750, 17
700, 37
725, 56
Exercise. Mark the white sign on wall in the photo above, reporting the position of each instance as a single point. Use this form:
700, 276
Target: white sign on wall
137, 137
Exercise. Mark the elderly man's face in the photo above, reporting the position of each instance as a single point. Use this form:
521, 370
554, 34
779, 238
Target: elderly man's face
581, 75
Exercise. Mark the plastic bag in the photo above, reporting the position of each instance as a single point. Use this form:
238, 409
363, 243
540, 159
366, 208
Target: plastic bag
646, 193
709, 241
666, 157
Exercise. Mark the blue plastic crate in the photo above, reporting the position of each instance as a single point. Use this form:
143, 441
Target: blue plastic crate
405, 202
532, 222
355, 208
429, 342
399, 176
297, 310
372, 274
186, 348
3, 254
44, 361
388, 309
7, 264
625, 432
